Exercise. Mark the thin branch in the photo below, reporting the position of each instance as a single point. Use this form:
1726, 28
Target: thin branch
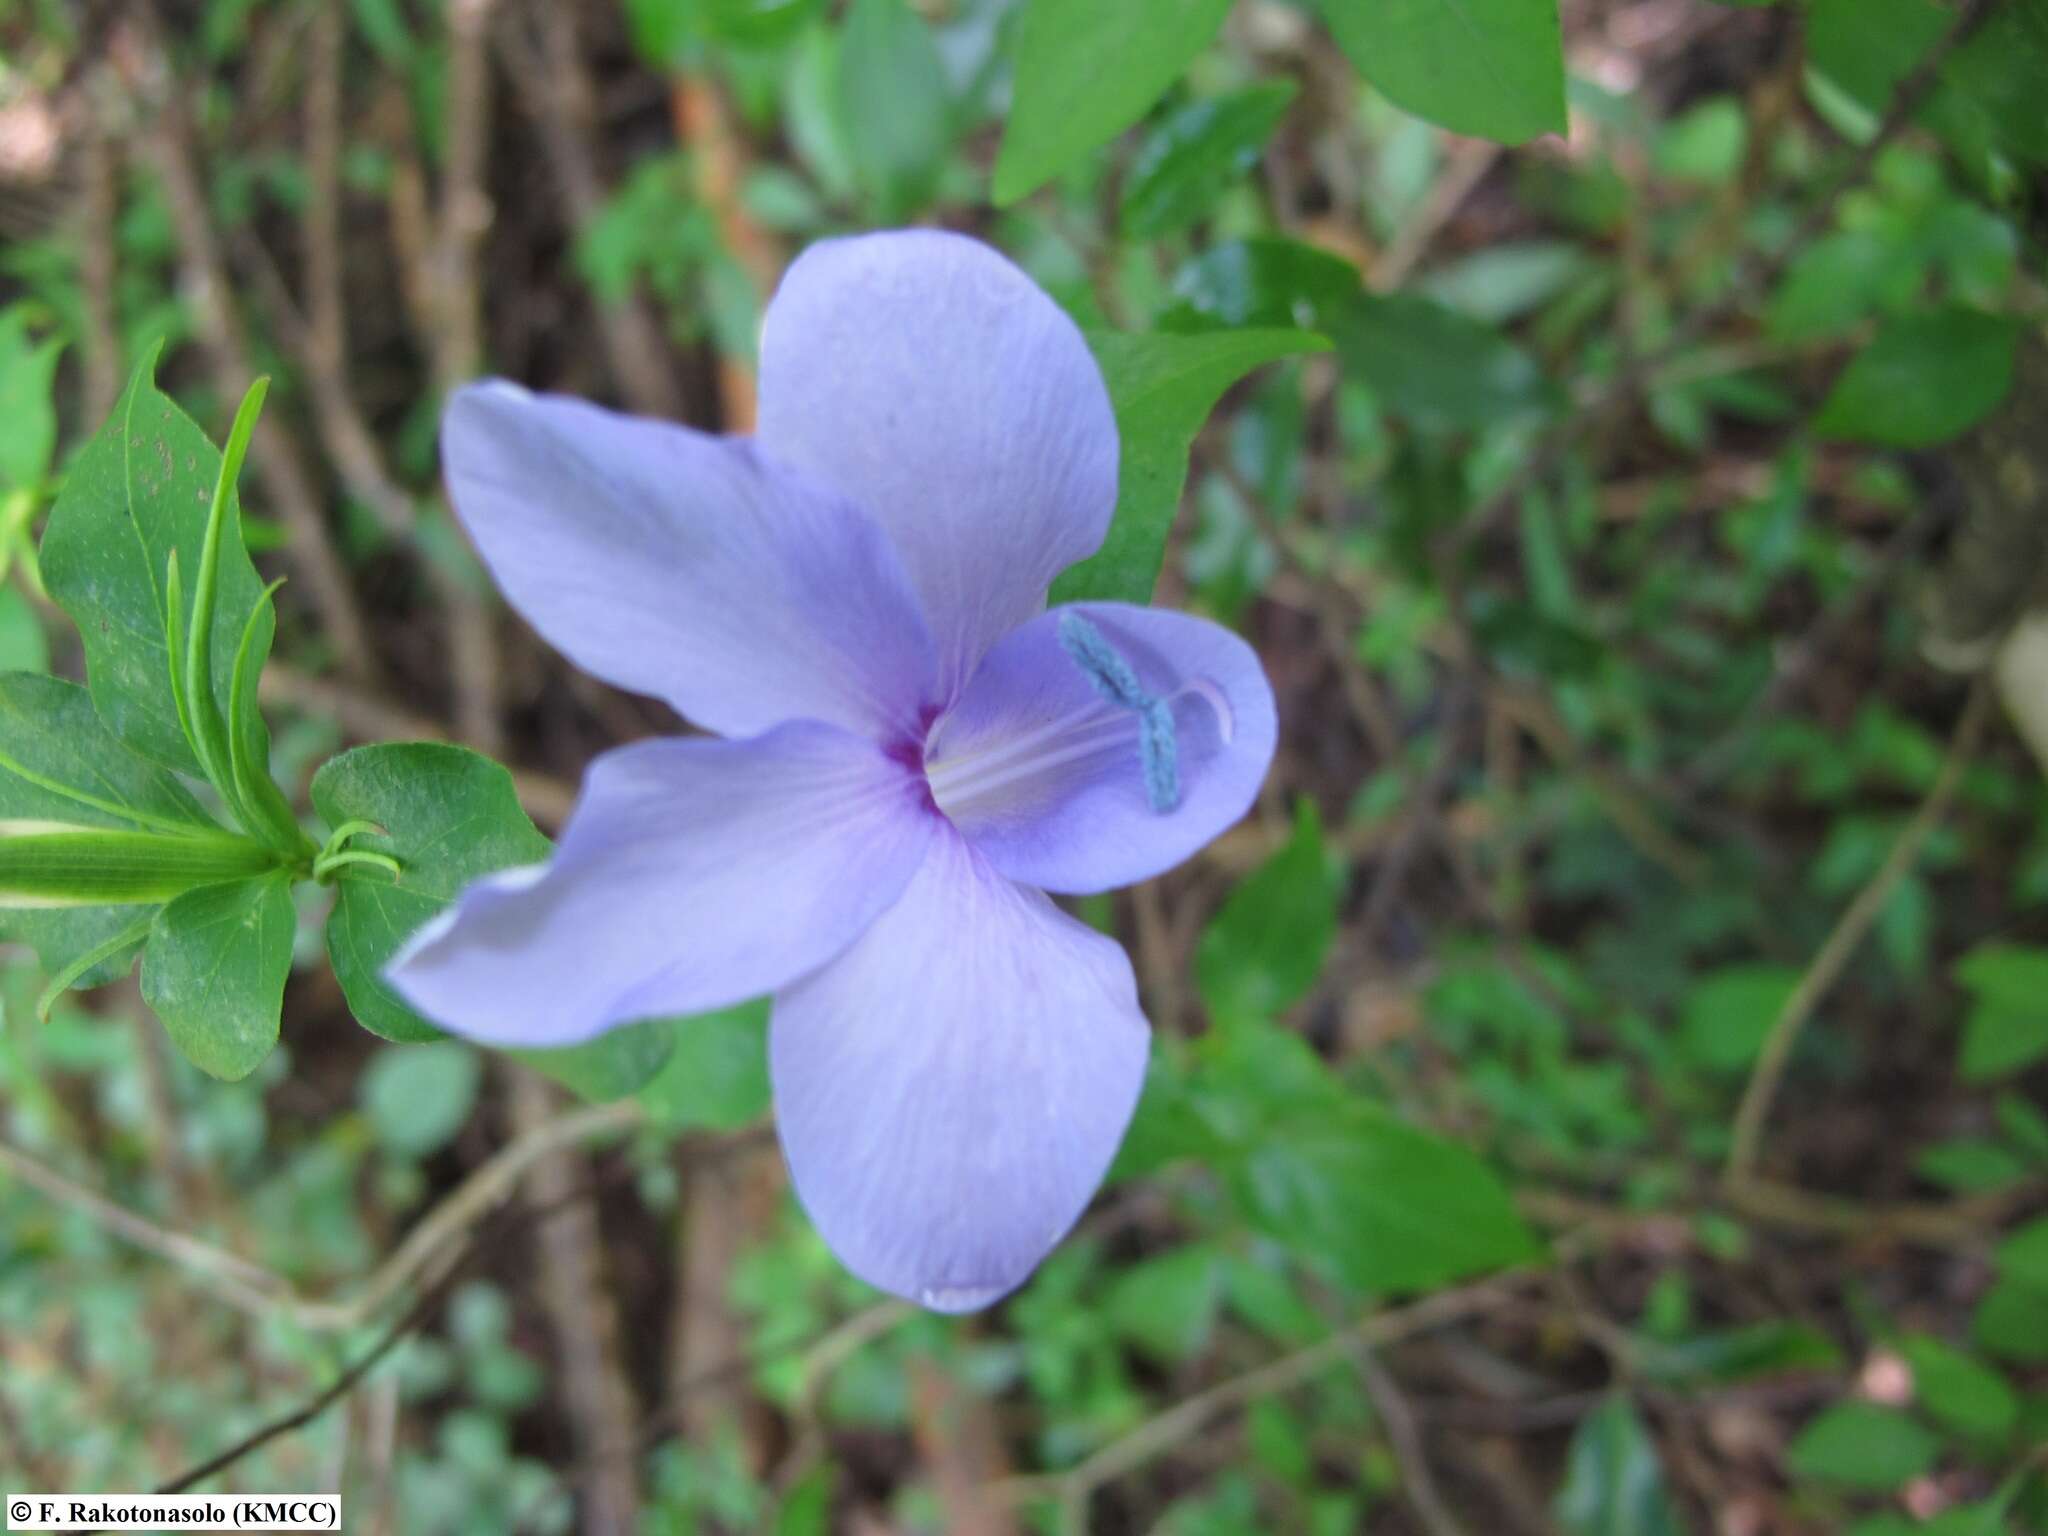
1405, 1437
259, 1291
1841, 945
423, 1307
1186, 1419
554, 86
583, 1317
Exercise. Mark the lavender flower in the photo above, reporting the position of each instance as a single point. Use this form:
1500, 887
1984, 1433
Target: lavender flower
909, 750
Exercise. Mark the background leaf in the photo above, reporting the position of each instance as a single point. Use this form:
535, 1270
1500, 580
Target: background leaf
1197, 151
1087, 71
1926, 378
1494, 68
1613, 1481
1266, 946
892, 90
1162, 389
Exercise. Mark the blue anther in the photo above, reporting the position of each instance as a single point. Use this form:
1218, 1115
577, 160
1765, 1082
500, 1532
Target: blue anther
1114, 679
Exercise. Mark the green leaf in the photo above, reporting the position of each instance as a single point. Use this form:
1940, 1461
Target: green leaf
1188, 160
24, 647
138, 491
1491, 68
28, 413
1614, 1481
1264, 949
1086, 71
1739, 1354
1970, 1165
58, 762
2024, 1255
1266, 282
1437, 367
2007, 1321
419, 1096
214, 971
717, 1075
1728, 1013
1704, 144
1924, 379
1162, 388
892, 88
1959, 1391
1166, 1306
1988, 92
1386, 1206
618, 1062
448, 816
2006, 1028
1862, 1445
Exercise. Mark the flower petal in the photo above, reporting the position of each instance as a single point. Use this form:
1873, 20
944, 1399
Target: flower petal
694, 873
685, 566
925, 376
1045, 776
950, 1091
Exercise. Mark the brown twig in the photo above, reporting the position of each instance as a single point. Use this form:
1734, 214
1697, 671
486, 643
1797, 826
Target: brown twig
582, 1316
554, 86
1848, 933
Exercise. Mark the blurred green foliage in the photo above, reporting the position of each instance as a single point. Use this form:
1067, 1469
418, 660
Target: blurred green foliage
1333, 334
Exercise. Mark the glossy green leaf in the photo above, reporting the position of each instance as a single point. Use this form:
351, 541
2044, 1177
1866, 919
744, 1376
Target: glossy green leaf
138, 491
1198, 150
1862, 1445
1266, 946
1958, 1391
214, 971
1491, 68
1162, 388
1923, 380
1614, 1480
1086, 71
717, 1075
448, 816
892, 91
